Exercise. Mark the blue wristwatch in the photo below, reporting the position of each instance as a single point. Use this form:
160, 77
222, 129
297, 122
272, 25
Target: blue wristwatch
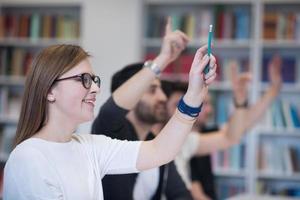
188, 110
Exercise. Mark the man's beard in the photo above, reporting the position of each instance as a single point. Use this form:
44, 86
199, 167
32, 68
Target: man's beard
146, 115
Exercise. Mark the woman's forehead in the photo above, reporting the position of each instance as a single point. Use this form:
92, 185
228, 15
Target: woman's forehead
82, 67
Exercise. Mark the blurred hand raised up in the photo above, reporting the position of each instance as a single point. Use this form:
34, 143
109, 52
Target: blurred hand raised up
239, 83
174, 42
198, 81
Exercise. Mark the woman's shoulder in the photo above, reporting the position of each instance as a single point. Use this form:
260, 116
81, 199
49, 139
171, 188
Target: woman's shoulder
27, 156
24, 151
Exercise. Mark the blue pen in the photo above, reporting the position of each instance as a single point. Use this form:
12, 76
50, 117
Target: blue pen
206, 69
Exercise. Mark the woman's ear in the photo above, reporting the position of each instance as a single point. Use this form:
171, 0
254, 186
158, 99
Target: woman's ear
51, 97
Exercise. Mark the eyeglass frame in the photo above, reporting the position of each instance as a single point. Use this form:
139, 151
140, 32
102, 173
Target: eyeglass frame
81, 76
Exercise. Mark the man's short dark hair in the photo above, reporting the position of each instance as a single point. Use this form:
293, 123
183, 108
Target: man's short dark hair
170, 87
124, 74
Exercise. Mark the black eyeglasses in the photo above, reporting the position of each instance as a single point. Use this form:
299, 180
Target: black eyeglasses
86, 79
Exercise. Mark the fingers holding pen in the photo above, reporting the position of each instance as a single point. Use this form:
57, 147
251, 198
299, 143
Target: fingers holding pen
212, 73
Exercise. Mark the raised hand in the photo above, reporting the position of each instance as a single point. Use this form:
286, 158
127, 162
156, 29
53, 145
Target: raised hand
198, 81
174, 42
239, 83
274, 70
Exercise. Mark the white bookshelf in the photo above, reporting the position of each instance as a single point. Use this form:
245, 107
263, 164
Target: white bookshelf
11, 84
254, 49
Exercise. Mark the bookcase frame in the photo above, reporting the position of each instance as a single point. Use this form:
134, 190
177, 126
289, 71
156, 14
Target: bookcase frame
256, 45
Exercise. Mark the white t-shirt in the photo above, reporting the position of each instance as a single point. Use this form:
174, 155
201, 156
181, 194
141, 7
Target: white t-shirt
146, 184
43, 170
182, 160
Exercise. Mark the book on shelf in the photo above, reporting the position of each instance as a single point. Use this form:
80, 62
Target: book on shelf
229, 187
35, 26
23, 26
38, 25
46, 26
230, 160
281, 115
278, 158
270, 25
230, 23
279, 25
15, 61
2, 24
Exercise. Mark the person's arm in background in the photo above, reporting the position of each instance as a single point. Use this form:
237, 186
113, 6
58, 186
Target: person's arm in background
256, 111
243, 118
128, 94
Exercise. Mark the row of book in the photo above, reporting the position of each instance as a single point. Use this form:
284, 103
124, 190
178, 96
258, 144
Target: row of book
229, 23
291, 190
231, 159
281, 26
15, 61
275, 157
290, 67
229, 187
282, 114
35, 26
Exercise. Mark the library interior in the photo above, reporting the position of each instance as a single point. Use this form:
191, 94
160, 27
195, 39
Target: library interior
247, 34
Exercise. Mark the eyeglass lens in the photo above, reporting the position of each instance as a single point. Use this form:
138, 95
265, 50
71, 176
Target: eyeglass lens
87, 80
